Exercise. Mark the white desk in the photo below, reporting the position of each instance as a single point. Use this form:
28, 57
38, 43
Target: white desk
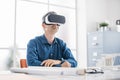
108, 75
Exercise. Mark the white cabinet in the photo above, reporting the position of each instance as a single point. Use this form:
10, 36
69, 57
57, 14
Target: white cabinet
106, 42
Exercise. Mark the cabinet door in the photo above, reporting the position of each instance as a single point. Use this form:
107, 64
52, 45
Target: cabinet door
94, 55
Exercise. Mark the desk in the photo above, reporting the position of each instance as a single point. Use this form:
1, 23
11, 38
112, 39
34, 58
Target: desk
108, 75
7, 75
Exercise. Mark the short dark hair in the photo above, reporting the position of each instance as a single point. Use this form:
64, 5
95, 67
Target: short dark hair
50, 12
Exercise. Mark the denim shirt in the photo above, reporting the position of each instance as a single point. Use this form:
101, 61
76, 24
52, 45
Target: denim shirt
38, 50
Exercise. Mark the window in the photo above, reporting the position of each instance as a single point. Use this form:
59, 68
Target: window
22, 22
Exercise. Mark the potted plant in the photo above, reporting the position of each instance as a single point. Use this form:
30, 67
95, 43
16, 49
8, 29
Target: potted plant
103, 26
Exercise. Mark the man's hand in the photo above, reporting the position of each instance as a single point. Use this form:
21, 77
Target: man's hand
66, 64
50, 62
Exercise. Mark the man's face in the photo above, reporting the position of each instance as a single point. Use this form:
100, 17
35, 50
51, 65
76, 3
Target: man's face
51, 28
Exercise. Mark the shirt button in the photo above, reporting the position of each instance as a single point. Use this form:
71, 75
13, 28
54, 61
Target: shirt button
51, 54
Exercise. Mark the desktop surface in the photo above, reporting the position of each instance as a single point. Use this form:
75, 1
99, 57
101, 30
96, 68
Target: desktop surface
108, 74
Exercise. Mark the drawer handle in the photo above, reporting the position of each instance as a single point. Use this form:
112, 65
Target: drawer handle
94, 44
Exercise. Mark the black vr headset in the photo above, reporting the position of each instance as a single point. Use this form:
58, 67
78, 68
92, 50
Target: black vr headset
54, 19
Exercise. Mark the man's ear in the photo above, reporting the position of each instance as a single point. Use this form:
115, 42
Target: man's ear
43, 25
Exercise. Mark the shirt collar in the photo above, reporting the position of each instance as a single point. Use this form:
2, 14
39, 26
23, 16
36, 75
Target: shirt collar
44, 40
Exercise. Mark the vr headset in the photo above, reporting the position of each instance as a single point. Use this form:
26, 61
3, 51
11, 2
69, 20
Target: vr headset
54, 19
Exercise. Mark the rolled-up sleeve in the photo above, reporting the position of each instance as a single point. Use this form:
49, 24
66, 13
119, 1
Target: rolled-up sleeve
68, 56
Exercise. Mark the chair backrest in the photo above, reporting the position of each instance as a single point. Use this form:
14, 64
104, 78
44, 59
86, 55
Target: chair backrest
23, 63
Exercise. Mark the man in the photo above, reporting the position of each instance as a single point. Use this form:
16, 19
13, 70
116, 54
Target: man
47, 50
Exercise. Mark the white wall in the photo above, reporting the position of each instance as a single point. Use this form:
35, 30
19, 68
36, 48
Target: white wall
102, 10
81, 34
113, 9
89, 14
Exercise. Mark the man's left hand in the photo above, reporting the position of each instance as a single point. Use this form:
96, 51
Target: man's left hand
50, 62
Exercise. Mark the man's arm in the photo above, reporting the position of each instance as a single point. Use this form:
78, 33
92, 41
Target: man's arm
32, 58
55, 63
51, 63
68, 57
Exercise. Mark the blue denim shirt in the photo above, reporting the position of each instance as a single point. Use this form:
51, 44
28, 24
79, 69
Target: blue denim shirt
38, 50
